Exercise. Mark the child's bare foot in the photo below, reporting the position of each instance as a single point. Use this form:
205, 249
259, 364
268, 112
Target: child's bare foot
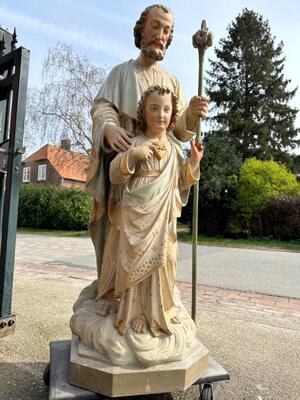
139, 325
106, 307
175, 320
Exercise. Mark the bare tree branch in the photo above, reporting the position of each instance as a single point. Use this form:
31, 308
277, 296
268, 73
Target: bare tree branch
60, 108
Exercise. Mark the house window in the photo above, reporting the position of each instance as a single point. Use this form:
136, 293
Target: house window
26, 174
42, 172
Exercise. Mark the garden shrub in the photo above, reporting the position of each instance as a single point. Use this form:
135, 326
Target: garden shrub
34, 205
278, 219
52, 207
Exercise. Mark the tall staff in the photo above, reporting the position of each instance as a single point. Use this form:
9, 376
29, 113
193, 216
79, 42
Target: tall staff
202, 39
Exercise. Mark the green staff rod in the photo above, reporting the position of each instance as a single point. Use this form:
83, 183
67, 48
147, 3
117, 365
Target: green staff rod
202, 39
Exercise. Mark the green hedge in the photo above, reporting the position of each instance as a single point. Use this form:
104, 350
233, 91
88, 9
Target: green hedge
52, 207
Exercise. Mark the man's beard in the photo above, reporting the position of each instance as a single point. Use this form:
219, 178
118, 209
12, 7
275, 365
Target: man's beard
152, 53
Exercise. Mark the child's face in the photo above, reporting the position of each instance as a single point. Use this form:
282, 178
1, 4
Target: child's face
158, 113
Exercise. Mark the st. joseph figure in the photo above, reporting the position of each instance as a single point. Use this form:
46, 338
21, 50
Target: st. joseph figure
114, 114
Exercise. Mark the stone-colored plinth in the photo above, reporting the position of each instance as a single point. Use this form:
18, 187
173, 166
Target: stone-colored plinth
88, 372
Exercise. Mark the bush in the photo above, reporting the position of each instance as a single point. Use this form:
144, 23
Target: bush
260, 182
279, 219
52, 207
33, 206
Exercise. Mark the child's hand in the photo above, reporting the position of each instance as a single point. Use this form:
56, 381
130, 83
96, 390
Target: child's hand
142, 152
197, 150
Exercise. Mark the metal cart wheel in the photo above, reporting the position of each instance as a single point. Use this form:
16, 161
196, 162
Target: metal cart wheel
46, 375
206, 392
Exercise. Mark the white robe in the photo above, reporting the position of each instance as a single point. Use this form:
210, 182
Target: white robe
140, 255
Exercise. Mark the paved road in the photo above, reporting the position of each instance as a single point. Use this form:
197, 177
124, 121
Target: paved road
261, 271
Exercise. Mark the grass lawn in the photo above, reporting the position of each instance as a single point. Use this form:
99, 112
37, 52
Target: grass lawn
184, 236
255, 242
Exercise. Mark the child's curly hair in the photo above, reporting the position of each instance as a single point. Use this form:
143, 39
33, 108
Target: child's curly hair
161, 90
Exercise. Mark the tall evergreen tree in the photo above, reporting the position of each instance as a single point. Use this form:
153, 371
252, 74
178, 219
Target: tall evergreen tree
250, 94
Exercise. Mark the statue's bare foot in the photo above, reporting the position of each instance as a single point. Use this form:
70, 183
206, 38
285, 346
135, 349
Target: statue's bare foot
106, 307
139, 325
175, 320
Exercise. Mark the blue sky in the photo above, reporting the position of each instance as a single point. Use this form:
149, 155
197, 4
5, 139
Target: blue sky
103, 31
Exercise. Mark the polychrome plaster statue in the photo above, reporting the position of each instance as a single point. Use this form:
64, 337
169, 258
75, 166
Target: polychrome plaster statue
114, 111
133, 312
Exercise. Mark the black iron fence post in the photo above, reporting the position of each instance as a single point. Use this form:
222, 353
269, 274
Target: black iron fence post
14, 66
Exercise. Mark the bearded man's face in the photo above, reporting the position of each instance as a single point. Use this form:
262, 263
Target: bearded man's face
156, 34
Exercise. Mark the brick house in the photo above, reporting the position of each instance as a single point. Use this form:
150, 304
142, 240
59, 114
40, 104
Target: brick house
54, 165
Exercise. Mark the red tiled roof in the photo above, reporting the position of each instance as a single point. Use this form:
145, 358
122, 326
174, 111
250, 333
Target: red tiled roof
68, 164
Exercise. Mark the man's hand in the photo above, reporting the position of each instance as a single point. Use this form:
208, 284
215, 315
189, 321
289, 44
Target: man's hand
198, 107
197, 150
117, 138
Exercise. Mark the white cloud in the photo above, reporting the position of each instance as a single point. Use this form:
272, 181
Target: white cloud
98, 12
101, 45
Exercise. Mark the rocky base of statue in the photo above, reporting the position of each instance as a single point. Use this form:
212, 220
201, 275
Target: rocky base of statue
135, 349
88, 371
105, 362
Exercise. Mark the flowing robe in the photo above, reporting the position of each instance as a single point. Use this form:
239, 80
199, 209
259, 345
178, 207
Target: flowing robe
140, 255
116, 104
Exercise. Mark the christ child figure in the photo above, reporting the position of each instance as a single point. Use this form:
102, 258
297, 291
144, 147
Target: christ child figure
150, 183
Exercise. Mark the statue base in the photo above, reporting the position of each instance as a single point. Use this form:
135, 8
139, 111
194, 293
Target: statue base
89, 371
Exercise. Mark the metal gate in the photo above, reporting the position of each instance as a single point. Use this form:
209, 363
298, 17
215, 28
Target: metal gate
14, 65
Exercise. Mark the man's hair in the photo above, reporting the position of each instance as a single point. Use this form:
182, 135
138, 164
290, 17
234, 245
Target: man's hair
161, 90
139, 25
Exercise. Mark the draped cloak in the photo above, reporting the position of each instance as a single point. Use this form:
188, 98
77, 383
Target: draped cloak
140, 255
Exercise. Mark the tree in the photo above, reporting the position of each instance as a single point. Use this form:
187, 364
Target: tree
61, 107
249, 93
219, 176
296, 163
219, 170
